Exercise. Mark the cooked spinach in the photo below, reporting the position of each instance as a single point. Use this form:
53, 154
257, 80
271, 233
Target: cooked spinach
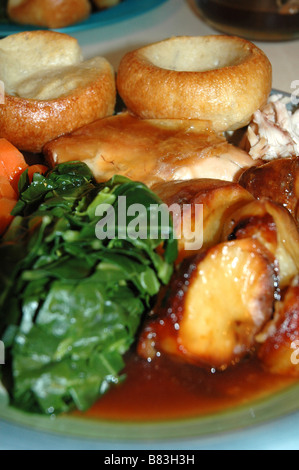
70, 303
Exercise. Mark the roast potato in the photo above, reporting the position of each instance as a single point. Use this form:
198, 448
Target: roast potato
275, 228
214, 307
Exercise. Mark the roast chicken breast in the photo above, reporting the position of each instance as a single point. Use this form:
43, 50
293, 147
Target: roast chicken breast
150, 151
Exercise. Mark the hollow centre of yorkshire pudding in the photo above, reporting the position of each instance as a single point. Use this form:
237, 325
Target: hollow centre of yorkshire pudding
196, 54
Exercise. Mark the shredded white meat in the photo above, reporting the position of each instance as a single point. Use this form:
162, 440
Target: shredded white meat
274, 131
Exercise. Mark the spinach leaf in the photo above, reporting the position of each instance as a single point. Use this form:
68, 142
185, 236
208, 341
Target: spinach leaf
70, 303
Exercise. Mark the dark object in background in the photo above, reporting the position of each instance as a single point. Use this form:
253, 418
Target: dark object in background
262, 20
3, 14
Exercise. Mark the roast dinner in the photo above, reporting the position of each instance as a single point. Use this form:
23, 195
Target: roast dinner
99, 326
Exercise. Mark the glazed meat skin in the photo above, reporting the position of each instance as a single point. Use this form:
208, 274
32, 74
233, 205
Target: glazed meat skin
277, 180
279, 351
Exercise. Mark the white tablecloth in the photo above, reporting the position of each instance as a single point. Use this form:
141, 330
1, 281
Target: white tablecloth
177, 17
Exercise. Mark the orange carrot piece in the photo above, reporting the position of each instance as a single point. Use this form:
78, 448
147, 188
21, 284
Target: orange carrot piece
6, 189
12, 162
6, 207
42, 169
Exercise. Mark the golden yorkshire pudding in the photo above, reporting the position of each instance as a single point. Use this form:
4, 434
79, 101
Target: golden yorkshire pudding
49, 89
220, 79
48, 13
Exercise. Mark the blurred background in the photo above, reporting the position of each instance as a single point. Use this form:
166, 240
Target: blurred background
269, 20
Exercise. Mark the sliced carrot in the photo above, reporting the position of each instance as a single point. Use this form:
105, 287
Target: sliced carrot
6, 207
12, 165
42, 169
8, 195
12, 162
6, 189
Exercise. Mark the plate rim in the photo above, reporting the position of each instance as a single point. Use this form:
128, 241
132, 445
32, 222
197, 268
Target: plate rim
246, 416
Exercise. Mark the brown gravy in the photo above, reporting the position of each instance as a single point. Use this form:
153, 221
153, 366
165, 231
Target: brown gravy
165, 389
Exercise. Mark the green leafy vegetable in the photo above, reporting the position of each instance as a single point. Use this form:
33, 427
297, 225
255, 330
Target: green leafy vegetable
70, 303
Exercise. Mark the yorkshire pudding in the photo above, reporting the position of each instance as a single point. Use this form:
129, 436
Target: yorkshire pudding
48, 13
220, 79
49, 89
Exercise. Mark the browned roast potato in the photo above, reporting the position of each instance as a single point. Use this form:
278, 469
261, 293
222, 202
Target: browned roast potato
279, 351
275, 228
215, 306
277, 180
218, 199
